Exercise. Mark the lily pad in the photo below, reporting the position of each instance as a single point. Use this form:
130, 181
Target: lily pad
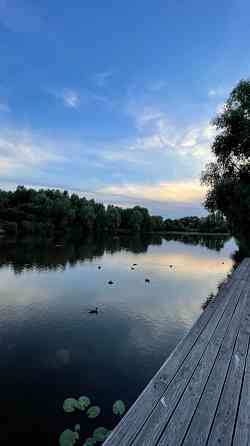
68, 438
89, 442
77, 427
70, 404
100, 434
119, 407
83, 402
93, 411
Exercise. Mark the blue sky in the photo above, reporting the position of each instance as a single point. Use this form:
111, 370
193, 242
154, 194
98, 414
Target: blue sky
114, 99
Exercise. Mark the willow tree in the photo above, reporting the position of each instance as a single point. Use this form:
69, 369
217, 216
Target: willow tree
228, 176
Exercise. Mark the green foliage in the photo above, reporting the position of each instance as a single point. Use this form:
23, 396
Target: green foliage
119, 407
101, 433
212, 223
10, 227
157, 223
68, 438
49, 212
228, 178
93, 411
83, 402
70, 404
113, 218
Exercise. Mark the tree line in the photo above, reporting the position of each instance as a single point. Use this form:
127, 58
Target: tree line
47, 212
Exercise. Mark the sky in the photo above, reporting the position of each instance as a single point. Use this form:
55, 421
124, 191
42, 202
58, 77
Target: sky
114, 100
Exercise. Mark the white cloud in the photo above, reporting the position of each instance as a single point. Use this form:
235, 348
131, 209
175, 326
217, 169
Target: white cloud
156, 133
22, 151
173, 192
220, 107
70, 98
215, 92
143, 117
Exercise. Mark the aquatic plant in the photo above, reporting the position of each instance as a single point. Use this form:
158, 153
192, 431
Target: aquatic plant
93, 411
83, 402
101, 433
119, 407
68, 438
70, 404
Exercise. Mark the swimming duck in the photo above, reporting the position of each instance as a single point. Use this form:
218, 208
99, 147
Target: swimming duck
110, 282
93, 311
147, 280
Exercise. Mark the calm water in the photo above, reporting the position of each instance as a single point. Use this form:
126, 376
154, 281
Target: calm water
52, 348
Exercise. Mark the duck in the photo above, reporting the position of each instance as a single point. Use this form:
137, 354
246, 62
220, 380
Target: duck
134, 264
132, 267
99, 267
147, 280
171, 266
110, 282
93, 311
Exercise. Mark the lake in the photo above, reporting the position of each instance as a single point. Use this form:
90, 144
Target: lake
52, 348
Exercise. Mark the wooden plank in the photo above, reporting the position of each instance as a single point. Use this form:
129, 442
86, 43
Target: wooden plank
142, 408
242, 429
224, 422
210, 375
211, 338
209, 378
203, 418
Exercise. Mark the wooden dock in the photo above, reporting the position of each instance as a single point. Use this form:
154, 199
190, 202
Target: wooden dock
201, 394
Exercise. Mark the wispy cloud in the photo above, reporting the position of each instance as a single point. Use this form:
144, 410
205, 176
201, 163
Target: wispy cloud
157, 133
144, 117
71, 98
175, 192
21, 151
220, 107
102, 78
215, 92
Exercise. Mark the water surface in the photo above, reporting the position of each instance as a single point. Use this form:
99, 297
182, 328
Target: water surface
52, 348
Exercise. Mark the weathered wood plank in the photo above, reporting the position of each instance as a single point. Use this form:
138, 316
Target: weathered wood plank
225, 418
242, 429
201, 423
216, 359
209, 344
142, 408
